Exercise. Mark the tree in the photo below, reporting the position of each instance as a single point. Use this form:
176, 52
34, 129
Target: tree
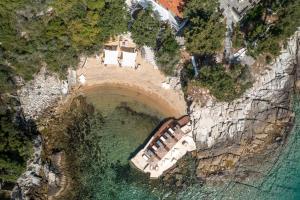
224, 85
15, 144
145, 28
268, 24
58, 37
205, 32
167, 52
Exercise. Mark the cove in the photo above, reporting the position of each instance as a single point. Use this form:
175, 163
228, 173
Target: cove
127, 121
128, 118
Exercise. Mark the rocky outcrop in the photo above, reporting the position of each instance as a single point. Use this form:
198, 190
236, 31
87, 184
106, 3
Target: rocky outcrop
265, 103
40, 93
253, 122
36, 97
31, 178
43, 179
173, 83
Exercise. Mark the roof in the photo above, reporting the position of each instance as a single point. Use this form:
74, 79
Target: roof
175, 6
128, 59
110, 57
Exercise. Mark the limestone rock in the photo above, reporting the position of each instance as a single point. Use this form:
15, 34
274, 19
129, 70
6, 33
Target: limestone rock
267, 102
40, 93
31, 177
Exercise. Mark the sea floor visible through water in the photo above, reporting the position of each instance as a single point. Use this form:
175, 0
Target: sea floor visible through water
127, 122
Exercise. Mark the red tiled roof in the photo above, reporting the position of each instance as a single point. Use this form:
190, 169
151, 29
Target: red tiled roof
175, 6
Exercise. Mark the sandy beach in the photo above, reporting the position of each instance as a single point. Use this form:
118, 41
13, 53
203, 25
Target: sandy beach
145, 83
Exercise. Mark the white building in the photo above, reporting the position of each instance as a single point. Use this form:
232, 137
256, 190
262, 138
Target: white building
167, 10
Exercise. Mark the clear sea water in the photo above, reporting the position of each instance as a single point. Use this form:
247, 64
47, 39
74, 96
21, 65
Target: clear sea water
128, 122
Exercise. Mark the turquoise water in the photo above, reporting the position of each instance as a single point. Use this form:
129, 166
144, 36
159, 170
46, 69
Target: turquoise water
126, 124
280, 176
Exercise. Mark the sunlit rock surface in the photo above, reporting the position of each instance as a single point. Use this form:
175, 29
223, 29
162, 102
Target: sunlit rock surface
43, 91
40, 93
267, 102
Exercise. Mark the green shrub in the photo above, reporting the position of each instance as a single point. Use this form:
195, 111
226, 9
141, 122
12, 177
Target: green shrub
205, 33
224, 85
167, 52
15, 145
264, 37
73, 28
145, 28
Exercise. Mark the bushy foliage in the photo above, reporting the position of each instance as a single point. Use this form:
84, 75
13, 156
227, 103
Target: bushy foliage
205, 32
6, 82
268, 24
145, 28
224, 85
56, 32
167, 52
149, 31
15, 145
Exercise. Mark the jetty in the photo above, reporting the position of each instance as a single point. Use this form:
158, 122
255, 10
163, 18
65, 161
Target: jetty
169, 143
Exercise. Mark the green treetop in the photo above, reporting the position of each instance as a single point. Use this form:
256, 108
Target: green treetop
205, 33
145, 29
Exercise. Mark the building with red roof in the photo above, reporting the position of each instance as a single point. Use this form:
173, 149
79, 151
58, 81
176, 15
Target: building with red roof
168, 10
174, 6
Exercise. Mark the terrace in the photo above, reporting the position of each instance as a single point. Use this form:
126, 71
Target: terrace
172, 141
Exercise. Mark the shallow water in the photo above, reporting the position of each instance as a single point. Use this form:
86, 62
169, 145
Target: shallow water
128, 122
126, 119
280, 175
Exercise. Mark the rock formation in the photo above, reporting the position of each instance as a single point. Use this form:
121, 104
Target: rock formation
35, 97
259, 116
40, 93
31, 178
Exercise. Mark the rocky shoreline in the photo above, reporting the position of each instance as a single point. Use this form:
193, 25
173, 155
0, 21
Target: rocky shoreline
227, 134
40, 99
258, 122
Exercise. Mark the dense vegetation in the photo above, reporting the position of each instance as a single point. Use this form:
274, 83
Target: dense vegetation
55, 33
224, 84
145, 28
204, 38
6, 81
267, 25
15, 143
15, 133
148, 30
167, 51
205, 33
43, 32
